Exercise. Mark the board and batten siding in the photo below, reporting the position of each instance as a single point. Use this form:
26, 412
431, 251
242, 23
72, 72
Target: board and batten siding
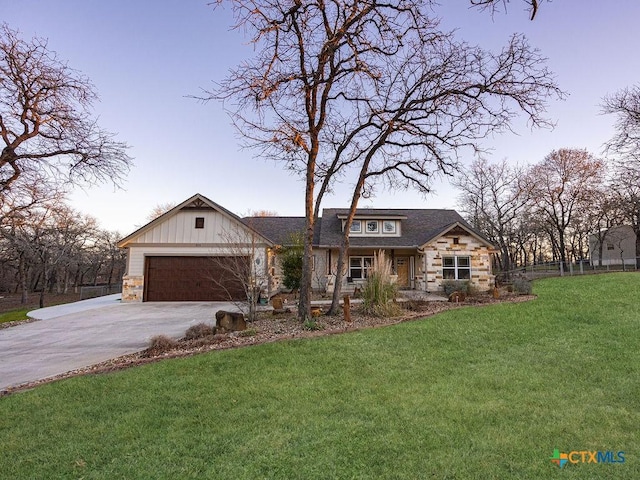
180, 229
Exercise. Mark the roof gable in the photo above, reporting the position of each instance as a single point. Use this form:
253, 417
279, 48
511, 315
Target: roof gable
196, 205
459, 228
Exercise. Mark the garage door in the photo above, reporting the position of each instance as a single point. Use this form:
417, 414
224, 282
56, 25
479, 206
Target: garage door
208, 279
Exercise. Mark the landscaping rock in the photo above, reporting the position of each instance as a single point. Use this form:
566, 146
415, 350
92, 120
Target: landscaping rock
230, 321
280, 311
457, 297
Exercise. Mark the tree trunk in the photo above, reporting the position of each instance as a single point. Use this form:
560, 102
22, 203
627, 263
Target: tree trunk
600, 250
562, 251
506, 264
304, 302
637, 248
44, 285
24, 297
112, 267
340, 268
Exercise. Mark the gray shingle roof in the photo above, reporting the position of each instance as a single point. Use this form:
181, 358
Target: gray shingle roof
279, 229
417, 227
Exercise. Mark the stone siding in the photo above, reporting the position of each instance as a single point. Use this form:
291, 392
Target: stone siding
132, 288
481, 277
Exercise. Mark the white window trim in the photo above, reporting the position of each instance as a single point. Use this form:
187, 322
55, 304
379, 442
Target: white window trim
388, 232
355, 230
456, 267
363, 269
377, 230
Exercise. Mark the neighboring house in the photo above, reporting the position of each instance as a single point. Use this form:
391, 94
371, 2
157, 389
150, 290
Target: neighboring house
426, 247
618, 247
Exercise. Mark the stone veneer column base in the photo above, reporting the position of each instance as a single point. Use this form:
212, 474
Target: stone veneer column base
132, 288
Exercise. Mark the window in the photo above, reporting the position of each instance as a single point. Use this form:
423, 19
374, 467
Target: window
456, 241
356, 226
610, 246
359, 267
456, 268
372, 226
199, 222
389, 226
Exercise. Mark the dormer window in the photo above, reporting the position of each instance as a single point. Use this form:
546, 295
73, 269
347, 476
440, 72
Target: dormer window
375, 225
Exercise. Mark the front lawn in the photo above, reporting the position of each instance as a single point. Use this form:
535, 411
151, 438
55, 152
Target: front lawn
15, 315
481, 392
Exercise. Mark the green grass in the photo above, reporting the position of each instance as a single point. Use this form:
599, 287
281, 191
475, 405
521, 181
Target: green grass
14, 315
474, 393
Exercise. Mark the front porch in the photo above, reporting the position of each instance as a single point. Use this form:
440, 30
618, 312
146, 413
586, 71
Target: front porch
405, 267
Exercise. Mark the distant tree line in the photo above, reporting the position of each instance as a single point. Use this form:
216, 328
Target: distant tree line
47, 247
547, 211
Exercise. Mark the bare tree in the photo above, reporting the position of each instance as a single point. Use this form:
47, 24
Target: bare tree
603, 214
625, 105
46, 124
626, 190
376, 87
262, 213
495, 5
561, 185
244, 265
625, 144
19, 209
493, 198
160, 209
443, 99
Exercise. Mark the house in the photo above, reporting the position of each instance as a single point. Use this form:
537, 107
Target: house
187, 253
618, 247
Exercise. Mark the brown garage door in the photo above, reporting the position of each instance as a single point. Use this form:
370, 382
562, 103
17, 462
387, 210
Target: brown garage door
208, 279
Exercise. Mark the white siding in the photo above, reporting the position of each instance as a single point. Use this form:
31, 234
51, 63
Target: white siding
180, 228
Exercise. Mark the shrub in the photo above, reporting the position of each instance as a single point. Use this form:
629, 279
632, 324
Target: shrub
522, 286
199, 331
249, 332
292, 257
378, 292
312, 325
451, 286
159, 344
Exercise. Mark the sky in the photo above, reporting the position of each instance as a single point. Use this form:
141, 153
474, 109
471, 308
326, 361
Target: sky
147, 59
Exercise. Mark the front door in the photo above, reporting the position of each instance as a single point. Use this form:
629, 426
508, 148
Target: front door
402, 269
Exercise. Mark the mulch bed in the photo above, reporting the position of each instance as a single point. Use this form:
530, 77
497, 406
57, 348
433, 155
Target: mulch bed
271, 328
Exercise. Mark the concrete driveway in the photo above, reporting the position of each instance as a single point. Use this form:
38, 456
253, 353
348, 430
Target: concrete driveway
84, 333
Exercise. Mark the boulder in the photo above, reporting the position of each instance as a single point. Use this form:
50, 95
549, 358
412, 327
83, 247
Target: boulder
230, 321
